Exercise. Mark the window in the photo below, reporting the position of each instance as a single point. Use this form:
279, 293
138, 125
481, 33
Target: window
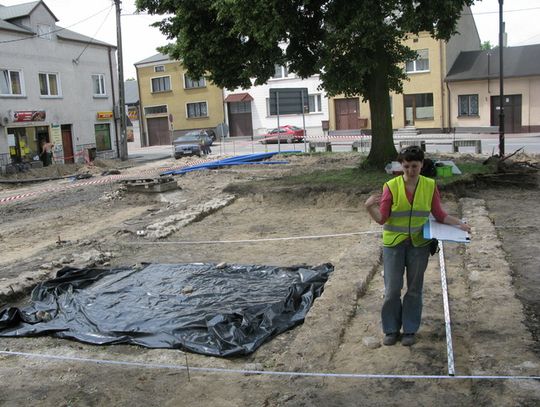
280, 71
161, 84
44, 31
240, 107
315, 104
159, 68
421, 105
98, 84
198, 109
424, 106
103, 136
155, 109
11, 83
421, 64
49, 84
468, 105
191, 83
291, 101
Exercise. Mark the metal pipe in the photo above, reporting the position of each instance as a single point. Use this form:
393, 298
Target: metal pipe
501, 81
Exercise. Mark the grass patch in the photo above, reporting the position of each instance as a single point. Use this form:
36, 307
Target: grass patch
355, 178
345, 178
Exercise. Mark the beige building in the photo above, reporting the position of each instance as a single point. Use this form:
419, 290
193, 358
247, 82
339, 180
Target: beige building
424, 102
473, 83
172, 103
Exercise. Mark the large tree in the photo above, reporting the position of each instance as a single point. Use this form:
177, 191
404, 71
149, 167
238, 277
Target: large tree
355, 45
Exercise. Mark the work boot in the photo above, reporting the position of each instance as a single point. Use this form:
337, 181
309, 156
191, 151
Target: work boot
390, 339
408, 339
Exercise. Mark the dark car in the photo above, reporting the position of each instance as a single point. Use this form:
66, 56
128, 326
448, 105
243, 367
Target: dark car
284, 134
192, 143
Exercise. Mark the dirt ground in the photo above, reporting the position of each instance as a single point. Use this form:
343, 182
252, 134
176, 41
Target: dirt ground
493, 286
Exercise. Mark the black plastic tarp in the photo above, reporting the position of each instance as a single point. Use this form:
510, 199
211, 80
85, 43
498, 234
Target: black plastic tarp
223, 311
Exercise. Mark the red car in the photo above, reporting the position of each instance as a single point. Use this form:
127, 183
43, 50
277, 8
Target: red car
285, 134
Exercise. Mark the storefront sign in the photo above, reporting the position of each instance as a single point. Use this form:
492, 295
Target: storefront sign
56, 136
29, 116
104, 115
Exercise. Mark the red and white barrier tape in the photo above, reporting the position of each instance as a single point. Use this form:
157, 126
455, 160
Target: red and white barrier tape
106, 179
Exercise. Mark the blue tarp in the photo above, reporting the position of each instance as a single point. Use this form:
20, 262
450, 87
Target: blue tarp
237, 160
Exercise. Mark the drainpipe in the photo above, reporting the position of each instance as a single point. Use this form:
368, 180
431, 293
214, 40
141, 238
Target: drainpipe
114, 103
443, 70
449, 109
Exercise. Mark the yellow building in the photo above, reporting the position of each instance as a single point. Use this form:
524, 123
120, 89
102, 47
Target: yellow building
424, 102
172, 103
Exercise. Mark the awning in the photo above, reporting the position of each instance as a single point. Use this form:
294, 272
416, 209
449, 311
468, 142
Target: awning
239, 97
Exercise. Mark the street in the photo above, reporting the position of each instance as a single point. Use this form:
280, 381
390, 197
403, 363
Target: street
530, 142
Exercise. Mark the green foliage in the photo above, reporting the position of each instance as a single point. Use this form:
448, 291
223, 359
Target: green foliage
353, 178
486, 46
355, 46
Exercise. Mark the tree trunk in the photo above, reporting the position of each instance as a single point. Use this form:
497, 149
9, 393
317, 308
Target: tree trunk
382, 142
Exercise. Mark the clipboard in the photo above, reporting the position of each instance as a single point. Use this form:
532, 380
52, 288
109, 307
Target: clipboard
449, 233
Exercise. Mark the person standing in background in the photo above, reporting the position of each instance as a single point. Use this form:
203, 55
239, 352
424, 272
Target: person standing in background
46, 153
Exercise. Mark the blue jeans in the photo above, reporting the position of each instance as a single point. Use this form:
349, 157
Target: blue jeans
408, 313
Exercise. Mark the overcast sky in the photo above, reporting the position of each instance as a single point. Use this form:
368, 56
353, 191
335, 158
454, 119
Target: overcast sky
96, 18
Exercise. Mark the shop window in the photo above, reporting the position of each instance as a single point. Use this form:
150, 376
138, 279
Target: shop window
198, 109
11, 83
161, 84
49, 85
98, 84
418, 107
103, 136
468, 105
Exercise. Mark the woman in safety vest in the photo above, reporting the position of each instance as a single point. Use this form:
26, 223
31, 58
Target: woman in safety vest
402, 209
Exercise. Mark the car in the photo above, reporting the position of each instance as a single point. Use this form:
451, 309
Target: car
283, 134
192, 143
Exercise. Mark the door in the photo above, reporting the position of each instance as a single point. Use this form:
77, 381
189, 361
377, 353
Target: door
512, 113
347, 111
408, 103
240, 123
67, 143
158, 131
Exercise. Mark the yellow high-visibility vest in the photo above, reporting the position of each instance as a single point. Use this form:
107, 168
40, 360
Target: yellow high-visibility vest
406, 220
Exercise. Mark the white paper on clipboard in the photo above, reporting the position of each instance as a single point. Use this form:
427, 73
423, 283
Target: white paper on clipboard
451, 233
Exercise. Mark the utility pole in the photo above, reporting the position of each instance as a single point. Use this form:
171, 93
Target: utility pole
501, 81
122, 101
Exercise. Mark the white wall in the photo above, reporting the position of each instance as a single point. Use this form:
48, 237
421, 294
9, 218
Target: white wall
528, 88
76, 105
262, 123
